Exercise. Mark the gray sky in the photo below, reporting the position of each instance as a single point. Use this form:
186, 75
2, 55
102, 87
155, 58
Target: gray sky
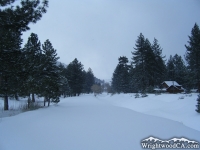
98, 32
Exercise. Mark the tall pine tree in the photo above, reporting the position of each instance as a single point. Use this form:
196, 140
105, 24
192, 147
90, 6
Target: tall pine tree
138, 61
75, 77
179, 69
32, 64
170, 69
64, 87
143, 61
159, 65
89, 81
51, 79
176, 70
193, 55
120, 80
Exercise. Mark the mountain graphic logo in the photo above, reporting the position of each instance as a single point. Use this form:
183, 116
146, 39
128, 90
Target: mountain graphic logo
174, 140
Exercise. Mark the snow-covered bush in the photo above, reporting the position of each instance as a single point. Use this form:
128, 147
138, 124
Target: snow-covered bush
144, 95
181, 97
137, 95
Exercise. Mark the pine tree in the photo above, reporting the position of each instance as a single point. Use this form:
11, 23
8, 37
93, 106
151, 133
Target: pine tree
50, 79
159, 66
18, 18
188, 80
133, 84
115, 80
120, 80
64, 86
179, 69
10, 60
176, 69
150, 65
32, 64
6, 2
143, 61
193, 55
75, 77
124, 74
89, 81
138, 62
13, 21
170, 69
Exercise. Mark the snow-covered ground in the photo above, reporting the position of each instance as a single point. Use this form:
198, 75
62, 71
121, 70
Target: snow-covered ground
177, 107
101, 123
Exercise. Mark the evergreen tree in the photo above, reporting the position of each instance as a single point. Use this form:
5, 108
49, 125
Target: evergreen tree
115, 80
75, 77
170, 69
133, 84
10, 60
14, 20
176, 69
32, 65
149, 65
159, 65
120, 80
188, 80
193, 55
64, 87
6, 2
179, 69
18, 18
89, 81
51, 78
138, 64
143, 61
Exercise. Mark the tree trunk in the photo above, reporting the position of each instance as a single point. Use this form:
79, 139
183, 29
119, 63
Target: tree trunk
44, 101
48, 102
16, 97
29, 102
33, 97
6, 106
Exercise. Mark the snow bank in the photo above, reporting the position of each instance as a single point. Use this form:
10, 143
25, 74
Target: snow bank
95, 123
177, 107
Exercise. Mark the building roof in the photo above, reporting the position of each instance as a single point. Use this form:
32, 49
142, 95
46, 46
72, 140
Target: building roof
169, 83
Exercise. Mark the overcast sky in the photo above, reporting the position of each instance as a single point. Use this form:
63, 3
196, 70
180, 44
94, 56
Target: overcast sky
98, 32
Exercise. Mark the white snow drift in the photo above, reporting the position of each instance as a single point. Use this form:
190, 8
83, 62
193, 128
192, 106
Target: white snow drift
97, 123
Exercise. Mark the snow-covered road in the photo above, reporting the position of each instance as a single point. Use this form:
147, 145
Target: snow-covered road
85, 123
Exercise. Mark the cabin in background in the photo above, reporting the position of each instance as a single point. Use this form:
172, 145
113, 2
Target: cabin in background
172, 87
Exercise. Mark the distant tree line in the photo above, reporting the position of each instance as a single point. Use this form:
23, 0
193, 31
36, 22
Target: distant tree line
34, 69
148, 67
